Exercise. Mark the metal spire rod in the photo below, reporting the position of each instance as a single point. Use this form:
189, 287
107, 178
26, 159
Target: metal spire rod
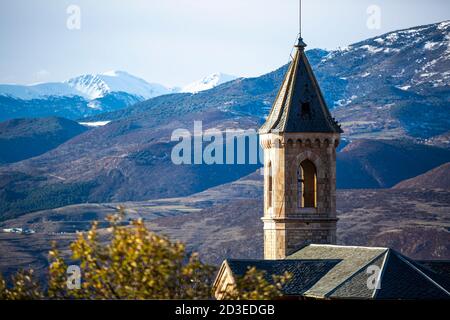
300, 18
300, 43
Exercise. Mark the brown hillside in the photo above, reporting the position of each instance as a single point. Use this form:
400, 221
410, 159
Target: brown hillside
437, 178
225, 222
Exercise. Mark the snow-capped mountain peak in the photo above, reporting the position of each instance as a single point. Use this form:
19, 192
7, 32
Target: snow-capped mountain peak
415, 59
208, 82
98, 85
88, 86
37, 91
94, 86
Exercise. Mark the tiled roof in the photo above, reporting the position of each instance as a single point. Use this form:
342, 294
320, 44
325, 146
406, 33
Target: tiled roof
299, 105
439, 269
353, 260
402, 279
342, 272
305, 273
356, 285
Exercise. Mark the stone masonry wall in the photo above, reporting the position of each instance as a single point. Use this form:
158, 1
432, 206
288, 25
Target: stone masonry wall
286, 225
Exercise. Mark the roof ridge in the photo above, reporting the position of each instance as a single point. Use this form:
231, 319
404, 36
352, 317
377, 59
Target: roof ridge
268, 260
286, 94
284, 83
401, 257
380, 277
344, 246
290, 93
355, 273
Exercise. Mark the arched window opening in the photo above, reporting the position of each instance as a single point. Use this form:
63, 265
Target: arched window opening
269, 187
307, 185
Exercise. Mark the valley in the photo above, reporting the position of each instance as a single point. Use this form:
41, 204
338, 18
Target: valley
224, 221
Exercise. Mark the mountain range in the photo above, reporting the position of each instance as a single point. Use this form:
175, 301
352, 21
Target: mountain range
391, 86
89, 94
392, 133
390, 93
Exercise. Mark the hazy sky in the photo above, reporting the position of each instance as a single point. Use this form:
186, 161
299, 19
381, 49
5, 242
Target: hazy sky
174, 42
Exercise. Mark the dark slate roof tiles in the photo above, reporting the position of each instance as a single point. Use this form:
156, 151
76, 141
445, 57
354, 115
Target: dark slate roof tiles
341, 272
357, 285
305, 273
353, 259
401, 279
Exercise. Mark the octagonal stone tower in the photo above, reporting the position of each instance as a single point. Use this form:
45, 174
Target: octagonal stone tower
299, 139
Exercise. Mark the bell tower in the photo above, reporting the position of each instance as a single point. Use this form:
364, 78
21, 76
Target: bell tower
299, 139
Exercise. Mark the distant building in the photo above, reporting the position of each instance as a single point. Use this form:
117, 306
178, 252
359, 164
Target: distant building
19, 230
299, 139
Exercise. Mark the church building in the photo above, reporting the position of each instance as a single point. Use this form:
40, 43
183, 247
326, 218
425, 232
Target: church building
299, 139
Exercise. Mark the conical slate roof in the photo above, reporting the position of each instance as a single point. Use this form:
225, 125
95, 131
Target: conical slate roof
299, 105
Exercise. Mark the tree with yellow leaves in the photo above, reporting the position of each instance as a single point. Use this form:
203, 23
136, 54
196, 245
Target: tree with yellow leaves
131, 262
134, 264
